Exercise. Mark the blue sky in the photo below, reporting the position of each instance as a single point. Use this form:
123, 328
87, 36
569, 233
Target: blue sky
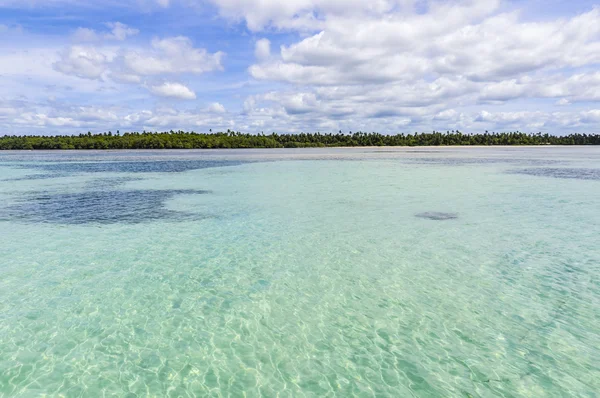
71, 66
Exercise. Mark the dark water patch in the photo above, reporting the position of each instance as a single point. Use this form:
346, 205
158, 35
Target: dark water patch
176, 303
100, 207
97, 184
100, 184
33, 177
156, 166
572, 173
437, 216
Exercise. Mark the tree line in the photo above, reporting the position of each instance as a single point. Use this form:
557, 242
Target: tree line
232, 139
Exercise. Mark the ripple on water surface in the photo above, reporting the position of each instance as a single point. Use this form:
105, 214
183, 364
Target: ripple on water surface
347, 278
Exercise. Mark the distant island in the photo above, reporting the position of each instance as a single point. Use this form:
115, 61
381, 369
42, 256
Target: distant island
231, 139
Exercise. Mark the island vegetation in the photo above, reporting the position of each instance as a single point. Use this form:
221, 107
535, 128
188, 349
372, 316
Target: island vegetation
231, 139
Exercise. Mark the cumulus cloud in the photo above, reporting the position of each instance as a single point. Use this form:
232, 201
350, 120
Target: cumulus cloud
575, 88
83, 62
216, 107
262, 49
591, 116
399, 48
43, 120
64, 118
125, 77
120, 31
173, 90
16, 117
563, 101
302, 14
393, 61
386, 65
85, 35
144, 66
171, 55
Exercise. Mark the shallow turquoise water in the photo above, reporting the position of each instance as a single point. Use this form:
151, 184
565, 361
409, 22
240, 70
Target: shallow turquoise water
301, 273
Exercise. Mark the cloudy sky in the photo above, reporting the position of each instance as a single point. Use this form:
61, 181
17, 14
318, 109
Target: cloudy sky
71, 66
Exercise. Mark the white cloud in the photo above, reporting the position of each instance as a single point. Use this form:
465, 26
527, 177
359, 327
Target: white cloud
302, 14
90, 113
124, 77
397, 47
216, 107
503, 91
57, 117
6, 111
574, 88
120, 31
83, 62
386, 65
262, 49
448, 114
171, 55
591, 116
143, 66
85, 35
563, 101
173, 90
386, 61
42, 120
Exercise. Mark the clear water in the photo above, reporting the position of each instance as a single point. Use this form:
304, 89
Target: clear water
336, 272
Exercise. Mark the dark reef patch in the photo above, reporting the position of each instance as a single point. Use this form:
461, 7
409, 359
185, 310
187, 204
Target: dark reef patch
573, 173
100, 207
32, 177
437, 216
103, 202
101, 184
158, 166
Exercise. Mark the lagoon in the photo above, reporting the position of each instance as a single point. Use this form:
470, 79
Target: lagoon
388, 272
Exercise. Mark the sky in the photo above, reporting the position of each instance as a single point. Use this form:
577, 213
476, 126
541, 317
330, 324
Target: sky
391, 66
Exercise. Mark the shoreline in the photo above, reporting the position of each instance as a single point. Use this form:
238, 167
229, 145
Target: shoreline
373, 147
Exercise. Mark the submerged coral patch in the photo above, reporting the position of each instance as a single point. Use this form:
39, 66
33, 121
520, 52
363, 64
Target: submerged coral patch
437, 216
561, 172
103, 207
158, 166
